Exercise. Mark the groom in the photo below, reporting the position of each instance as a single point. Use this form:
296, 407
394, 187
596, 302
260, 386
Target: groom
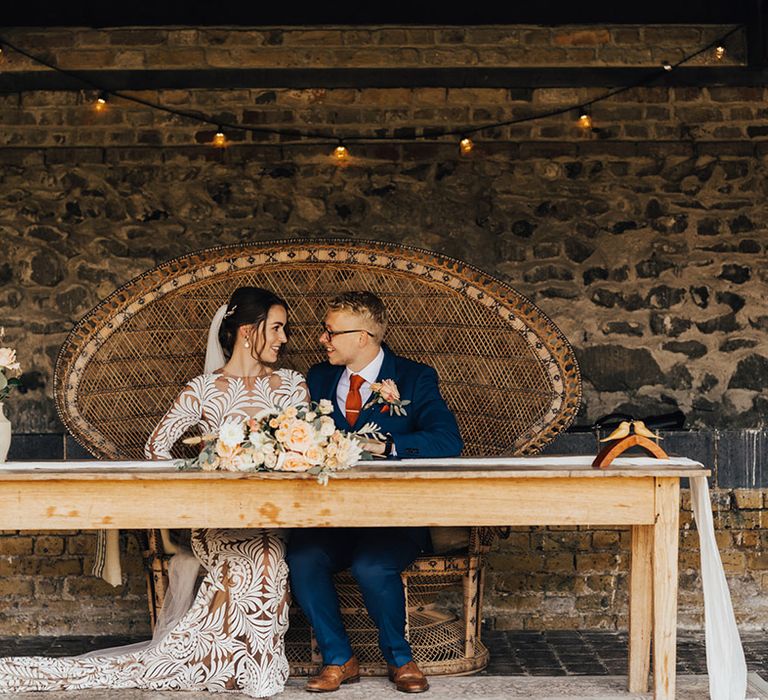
352, 337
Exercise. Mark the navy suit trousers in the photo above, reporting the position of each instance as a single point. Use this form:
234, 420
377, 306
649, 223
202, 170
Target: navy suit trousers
376, 557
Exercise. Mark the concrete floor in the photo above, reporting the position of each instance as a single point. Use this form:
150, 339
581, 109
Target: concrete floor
553, 665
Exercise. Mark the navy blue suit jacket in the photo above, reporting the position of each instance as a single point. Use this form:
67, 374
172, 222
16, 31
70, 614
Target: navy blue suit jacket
428, 430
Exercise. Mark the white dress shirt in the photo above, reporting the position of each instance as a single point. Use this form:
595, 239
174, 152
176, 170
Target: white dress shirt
370, 373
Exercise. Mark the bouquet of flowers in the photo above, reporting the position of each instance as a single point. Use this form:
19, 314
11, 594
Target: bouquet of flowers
8, 363
300, 438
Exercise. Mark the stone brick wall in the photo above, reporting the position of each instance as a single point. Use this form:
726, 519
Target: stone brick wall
645, 240
387, 46
557, 578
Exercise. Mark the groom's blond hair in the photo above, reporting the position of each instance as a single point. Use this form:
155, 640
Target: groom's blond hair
365, 304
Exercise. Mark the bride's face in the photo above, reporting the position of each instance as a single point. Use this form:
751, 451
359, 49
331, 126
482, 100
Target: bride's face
270, 336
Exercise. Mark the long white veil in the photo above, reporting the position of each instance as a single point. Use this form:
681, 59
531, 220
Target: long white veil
214, 354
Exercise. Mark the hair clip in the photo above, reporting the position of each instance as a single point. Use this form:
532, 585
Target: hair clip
230, 311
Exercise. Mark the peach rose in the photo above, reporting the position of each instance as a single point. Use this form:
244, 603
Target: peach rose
292, 462
389, 391
300, 436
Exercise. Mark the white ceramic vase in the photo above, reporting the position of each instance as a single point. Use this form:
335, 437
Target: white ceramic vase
5, 434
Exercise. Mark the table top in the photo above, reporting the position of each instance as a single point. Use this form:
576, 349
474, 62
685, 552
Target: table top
548, 466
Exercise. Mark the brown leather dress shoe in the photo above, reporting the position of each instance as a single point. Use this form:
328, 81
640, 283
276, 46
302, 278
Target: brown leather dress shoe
331, 677
408, 678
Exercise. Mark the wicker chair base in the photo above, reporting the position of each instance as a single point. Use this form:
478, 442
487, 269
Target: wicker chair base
442, 642
436, 645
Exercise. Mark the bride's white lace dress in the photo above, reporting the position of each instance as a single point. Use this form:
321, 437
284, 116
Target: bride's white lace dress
232, 637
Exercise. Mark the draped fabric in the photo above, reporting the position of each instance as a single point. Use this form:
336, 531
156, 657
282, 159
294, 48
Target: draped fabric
231, 638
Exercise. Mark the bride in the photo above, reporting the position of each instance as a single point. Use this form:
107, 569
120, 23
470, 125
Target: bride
231, 637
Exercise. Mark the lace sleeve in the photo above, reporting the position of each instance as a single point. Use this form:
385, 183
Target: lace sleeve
187, 410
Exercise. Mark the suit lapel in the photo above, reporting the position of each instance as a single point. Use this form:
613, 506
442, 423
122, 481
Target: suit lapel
387, 371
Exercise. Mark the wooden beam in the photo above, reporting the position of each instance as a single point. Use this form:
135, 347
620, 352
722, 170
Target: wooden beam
360, 78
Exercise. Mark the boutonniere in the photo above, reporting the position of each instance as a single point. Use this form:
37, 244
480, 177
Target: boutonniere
387, 393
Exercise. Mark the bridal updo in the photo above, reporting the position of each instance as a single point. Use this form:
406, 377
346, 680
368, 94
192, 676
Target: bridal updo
247, 306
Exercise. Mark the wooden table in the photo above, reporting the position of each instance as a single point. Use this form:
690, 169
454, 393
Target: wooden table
643, 494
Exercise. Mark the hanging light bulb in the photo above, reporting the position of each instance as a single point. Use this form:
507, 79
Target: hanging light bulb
719, 52
466, 145
101, 102
667, 66
341, 153
220, 138
585, 119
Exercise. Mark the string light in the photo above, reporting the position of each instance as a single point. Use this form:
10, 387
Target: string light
341, 153
101, 102
220, 138
585, 118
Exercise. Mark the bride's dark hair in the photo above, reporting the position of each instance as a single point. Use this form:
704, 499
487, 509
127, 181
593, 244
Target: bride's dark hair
247, 306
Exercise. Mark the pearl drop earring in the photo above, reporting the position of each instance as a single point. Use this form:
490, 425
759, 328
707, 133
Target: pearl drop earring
247, 345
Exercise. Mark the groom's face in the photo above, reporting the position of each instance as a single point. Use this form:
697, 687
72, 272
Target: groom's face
344, 348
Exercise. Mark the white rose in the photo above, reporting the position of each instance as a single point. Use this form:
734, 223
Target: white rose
325, 407
258, 440
327, 426
242, 463
8, 359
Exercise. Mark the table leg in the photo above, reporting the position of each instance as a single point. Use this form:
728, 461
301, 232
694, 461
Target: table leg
640, 607
665, 545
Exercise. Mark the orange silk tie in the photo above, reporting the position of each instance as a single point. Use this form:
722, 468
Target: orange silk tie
354, 400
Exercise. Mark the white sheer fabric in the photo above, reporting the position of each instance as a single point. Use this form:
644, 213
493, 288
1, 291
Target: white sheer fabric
231, 636
726, 665
214, 354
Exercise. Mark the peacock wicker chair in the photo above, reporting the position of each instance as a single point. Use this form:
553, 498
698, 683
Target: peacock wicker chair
505, 370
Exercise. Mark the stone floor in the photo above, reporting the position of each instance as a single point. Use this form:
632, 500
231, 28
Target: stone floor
515, 653
550, 665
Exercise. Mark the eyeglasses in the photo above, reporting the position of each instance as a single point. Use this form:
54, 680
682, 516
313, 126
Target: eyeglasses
332, 334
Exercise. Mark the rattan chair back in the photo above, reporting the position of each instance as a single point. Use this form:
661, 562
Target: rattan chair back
505, 369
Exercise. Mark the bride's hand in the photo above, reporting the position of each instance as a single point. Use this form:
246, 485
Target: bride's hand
375, 447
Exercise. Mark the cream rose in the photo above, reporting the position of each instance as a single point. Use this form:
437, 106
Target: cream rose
327, 426
325, 407
292, 462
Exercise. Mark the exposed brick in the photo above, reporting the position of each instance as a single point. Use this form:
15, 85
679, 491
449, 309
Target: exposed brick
580, 37
11, 545
15, 587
